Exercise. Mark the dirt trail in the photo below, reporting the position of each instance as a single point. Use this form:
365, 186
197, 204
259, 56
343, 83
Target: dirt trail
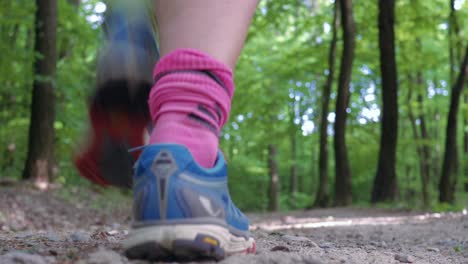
38, 227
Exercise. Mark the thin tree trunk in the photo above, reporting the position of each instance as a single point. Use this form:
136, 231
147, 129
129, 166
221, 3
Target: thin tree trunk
465, 143
41, 130
301, 171
293, 134
75, 3
322, 198
385, 182
423, 170
274, 179
436, 150
425, 150
450, 46
293, 169
455, 50
343, 193
448, 178
455, 44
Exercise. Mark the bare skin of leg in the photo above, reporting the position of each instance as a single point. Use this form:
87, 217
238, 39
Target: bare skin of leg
216, 27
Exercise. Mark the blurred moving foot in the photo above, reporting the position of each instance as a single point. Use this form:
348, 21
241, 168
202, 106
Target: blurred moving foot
183, 211
118, 108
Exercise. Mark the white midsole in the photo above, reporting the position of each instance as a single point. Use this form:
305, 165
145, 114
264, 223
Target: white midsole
165, 235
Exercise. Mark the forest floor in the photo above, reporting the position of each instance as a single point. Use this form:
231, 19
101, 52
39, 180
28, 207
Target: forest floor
79, 225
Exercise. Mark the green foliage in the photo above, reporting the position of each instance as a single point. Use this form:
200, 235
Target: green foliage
78, 40
445, 207
248, 175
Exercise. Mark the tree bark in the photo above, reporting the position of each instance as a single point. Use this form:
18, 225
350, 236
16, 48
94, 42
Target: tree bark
435, 134
465, 143
41, 130
385, 182
293, 138
455, 48
343, 193
274, 179
423, 170
448, 178
322, 198
425, 150
75, 3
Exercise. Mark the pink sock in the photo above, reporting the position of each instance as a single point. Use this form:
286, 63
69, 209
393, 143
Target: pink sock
190, 102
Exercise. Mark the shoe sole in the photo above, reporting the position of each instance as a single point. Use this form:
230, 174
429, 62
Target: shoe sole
185, 242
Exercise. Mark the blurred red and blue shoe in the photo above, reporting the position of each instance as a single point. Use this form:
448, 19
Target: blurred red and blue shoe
118, 109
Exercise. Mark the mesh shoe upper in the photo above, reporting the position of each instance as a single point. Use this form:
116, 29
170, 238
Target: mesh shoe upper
170, 185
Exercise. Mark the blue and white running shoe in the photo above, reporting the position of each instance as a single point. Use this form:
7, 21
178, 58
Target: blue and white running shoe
183, 211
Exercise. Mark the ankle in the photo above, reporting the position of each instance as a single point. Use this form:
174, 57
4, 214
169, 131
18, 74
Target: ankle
190, 102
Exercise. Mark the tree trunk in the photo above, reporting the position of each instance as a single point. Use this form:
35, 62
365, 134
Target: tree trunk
385, 182
448, 178
450, 39
293, 179
274, 179
423, 170
465, 143
435, 131
425, 150
455, 48
75, 3
293, 134
343, 193
41, 130
322, 198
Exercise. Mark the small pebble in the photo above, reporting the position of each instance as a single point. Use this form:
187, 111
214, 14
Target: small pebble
433, 249
80, 237
280, 248
370, 248
23, 235
113, 232
381, 244
52, 236
326, 245
404, 258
